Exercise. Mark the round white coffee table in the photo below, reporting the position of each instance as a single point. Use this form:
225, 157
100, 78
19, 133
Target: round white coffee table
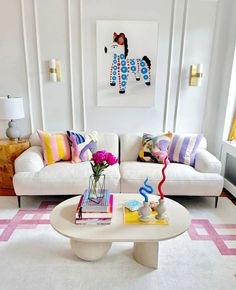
92, 242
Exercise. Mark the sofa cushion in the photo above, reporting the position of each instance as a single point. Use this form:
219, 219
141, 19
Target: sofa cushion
206, 162
55, 146
181, 179
31, 160
63, 178
154, 148
81, 145
183, 148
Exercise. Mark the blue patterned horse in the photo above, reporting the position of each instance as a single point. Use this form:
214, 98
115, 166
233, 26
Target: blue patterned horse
122, 66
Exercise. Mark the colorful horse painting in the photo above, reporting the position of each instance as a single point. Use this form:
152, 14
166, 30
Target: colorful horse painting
122, 66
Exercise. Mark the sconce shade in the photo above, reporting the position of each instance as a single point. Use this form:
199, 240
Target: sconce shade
11, 108
55, 70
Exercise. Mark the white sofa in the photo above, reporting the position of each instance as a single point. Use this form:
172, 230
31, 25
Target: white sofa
202, 180
32, 177
65, 178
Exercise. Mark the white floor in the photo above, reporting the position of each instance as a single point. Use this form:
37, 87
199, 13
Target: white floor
41, 259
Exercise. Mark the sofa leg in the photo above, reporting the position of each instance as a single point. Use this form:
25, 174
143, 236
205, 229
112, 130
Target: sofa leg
216, 201
19, 200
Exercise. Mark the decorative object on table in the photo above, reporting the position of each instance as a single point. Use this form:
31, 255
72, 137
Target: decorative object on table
145, 211
100, 161
132, 217
93, 221
11, 109
88, 213
120, 70
160, 208
145, 189
153, 205
154, 148
89, 206
96, 187
132, 204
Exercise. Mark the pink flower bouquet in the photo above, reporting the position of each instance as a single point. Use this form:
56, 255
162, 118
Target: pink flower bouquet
101, 160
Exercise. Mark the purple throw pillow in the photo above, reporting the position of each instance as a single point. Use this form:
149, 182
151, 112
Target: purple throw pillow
183, 148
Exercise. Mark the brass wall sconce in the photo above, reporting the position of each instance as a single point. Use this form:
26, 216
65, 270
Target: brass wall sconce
196, 75
55, 70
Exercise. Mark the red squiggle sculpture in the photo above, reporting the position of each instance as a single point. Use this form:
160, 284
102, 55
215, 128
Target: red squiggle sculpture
163, 178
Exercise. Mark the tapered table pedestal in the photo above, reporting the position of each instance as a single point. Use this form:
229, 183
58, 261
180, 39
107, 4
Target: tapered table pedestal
146, 254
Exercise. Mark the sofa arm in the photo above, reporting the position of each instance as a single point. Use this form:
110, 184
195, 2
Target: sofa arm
30, 160
206, 162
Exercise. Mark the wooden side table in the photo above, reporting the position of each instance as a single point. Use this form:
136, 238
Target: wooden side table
9, 151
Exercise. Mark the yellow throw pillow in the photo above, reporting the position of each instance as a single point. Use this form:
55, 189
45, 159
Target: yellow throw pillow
55, 146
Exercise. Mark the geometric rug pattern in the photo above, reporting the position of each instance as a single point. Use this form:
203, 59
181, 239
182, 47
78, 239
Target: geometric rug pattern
200, 229
26, 219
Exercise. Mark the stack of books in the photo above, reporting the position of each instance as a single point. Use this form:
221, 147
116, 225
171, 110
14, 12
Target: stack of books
89, 212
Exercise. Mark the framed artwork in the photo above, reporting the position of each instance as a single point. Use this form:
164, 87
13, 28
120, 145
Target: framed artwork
126, 63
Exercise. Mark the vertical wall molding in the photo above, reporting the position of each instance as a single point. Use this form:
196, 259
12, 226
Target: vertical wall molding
71, 64
82, 67
211, 64
39, 64
26, 54
169, 64
180, 64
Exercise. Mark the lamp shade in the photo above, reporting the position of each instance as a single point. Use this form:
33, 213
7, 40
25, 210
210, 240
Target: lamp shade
11, 108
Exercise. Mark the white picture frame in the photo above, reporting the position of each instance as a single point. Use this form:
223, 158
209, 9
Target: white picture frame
141, 40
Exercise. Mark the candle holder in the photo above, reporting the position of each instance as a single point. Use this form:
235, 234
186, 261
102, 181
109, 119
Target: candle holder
161, 209
145, 212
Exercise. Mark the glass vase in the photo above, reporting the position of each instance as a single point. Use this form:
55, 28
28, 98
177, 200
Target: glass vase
96, 187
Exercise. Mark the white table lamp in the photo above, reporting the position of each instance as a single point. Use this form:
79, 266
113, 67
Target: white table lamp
11, 109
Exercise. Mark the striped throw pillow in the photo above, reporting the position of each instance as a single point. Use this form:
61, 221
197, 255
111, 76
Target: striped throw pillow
183, 148
75, 136
55, 147
81, 146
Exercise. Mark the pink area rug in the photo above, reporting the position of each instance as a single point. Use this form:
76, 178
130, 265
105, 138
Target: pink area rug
26, 219
200, 229
34, 256
211, 234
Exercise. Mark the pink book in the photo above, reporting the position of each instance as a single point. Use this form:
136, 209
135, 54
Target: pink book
95, 214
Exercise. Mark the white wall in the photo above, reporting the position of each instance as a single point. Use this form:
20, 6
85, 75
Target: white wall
34, 31
220, 77
125, 119
12, 65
